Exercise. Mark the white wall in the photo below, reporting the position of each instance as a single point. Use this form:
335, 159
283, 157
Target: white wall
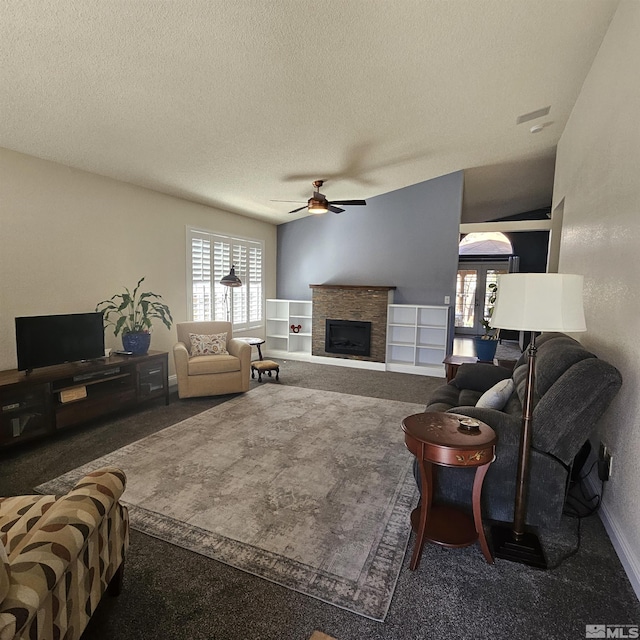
598, 175
69, 239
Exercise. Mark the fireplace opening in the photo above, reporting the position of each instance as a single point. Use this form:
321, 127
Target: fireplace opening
350, 337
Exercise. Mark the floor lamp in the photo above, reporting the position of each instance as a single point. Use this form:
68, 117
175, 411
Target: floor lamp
230, 280
532, 302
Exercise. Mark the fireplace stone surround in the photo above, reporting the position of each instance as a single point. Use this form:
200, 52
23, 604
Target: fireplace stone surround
351, 302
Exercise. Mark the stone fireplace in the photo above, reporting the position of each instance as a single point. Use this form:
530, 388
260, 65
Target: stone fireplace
351, 303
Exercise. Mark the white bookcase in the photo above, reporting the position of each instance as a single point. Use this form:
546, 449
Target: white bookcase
281, 340
417, 338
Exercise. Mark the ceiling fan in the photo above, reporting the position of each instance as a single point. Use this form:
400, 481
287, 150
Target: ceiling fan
318, 202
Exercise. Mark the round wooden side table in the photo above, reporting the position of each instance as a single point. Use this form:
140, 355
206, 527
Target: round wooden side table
449, 440
254, 342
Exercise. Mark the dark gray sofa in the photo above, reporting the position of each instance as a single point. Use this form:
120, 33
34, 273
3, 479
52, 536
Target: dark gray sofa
572, 390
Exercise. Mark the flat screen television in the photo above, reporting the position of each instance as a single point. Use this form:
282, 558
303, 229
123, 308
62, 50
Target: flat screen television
42, 341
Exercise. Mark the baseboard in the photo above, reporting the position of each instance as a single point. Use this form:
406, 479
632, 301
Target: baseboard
630, 562
346, 362
336, 362
434, 371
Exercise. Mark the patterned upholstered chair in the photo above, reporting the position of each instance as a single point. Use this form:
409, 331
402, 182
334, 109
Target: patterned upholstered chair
58, 555
210, 373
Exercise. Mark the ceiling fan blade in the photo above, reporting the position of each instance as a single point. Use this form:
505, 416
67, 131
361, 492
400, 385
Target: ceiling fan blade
286, 200
335, 209
300, 209
351, 202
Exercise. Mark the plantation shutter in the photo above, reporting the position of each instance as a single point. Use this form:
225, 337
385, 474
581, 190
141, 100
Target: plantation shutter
240, 314
211, 258
254, 279
201, 278
221, 266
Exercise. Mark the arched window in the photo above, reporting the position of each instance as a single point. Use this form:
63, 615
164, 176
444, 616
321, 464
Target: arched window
486, 243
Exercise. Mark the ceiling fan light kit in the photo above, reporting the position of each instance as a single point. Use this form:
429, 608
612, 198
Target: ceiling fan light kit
317, 206
318, 203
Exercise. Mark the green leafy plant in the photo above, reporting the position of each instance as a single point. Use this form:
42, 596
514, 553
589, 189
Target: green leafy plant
489, 332
134, 312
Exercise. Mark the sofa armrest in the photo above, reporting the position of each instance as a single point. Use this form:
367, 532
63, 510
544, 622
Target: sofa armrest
506, 426
5, 573
181, 357
108, 482
240, 349
54, 544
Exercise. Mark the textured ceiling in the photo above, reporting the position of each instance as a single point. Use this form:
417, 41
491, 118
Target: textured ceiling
236, 103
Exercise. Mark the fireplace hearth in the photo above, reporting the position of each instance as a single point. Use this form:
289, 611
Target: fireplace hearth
348, 337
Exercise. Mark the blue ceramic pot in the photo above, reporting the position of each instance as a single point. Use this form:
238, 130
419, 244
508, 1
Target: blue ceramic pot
485, 349
137, 343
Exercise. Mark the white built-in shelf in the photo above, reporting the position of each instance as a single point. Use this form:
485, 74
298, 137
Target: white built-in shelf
280, 339
417, 335
417, 338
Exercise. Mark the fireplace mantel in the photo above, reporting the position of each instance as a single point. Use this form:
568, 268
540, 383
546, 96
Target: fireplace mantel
352, 286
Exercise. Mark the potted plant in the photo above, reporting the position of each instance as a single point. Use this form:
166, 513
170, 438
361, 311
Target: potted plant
132, 315
487, 343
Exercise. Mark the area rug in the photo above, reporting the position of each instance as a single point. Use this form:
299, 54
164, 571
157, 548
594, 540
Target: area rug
309, 489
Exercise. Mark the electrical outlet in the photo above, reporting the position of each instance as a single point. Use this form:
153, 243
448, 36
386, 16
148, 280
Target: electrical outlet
447, 299
604, 462
602, 451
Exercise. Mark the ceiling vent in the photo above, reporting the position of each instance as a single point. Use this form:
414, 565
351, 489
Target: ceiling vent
532, 115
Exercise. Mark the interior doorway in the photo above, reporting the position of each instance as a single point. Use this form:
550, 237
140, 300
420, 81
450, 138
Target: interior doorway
472, 294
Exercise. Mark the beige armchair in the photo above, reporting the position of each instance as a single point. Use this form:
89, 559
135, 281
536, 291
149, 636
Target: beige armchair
211, 375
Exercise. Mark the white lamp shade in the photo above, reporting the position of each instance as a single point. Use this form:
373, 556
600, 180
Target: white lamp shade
539, 302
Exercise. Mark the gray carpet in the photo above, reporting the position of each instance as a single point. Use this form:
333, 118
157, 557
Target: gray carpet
173, 594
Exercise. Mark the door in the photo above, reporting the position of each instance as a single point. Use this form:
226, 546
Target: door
472, 294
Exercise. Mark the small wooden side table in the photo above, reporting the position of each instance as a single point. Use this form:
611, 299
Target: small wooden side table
441, 439
254, 342
452, 364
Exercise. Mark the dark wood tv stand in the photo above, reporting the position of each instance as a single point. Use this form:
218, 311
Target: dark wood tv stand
40, 403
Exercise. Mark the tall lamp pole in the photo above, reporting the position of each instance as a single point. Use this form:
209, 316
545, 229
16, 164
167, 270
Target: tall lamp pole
533, 302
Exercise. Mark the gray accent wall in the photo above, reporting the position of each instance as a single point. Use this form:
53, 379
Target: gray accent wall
407, 239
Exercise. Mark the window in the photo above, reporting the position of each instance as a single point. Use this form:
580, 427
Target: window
485, 243
210, 258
